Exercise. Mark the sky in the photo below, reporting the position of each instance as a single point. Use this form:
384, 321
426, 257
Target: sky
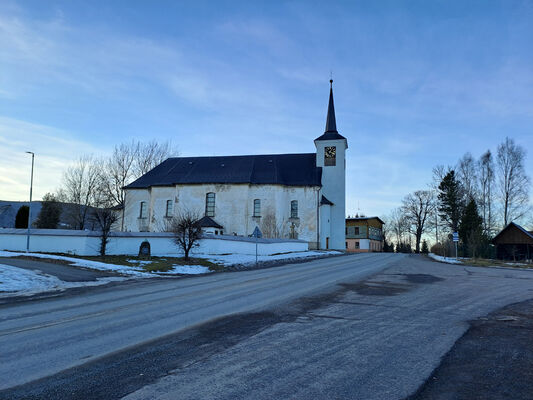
416, 84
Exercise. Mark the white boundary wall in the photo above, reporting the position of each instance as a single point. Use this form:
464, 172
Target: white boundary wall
87, 243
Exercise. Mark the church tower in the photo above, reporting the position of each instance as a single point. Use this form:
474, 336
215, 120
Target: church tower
331, 156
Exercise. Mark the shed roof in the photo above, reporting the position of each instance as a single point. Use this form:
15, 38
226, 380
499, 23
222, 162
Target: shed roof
511, 225
282, 169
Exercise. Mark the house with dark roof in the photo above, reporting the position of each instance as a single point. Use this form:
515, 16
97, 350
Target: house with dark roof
514, 243
298, 195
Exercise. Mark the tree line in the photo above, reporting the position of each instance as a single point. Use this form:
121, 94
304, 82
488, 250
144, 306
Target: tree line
91, 188
476, 198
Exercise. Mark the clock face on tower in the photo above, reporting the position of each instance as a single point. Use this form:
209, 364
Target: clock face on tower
330, 154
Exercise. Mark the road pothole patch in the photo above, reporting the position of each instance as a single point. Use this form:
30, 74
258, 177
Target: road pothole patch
368, 288
422, 278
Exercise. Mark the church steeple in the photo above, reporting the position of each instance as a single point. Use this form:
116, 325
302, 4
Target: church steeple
331, 132
331, 124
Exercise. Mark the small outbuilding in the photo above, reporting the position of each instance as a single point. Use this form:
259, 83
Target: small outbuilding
514, 243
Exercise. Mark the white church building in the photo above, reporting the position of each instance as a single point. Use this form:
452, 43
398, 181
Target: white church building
299, 196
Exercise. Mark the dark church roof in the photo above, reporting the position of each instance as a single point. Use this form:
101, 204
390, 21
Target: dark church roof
331, 123
281, 169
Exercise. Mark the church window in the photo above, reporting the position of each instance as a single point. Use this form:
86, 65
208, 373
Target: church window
330, 155
210, 204
142, 210
294, 209
257, 208
169, 209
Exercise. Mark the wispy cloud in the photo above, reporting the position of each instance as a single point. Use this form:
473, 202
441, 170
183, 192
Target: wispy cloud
54, 151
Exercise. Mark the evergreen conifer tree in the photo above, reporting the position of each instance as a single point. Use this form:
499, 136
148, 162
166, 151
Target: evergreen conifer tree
50, 213
21, 219
450, 205
471, 229
425, 249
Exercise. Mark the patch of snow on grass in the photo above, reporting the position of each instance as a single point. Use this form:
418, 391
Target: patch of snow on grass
77, 262
21, 282
448, 260
188, 270
244, 259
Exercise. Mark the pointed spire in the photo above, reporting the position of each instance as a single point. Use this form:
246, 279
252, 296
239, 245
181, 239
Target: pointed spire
331, 125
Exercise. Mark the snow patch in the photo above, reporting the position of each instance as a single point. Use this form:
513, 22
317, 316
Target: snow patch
77, 262
448, 260
22, 282
188, 270
244, 259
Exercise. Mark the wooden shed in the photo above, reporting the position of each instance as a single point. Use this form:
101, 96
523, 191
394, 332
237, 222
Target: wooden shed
514, 243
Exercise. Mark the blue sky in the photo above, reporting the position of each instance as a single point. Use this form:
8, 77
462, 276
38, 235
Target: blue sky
416, 83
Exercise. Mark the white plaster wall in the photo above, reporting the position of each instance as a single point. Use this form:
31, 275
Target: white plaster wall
123, 243
364, 244
233, 207
325, 224
334, 188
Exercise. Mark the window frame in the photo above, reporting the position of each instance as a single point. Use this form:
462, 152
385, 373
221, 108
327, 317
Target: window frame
142, 210
210, 204
294, 208
171, 204
257, 208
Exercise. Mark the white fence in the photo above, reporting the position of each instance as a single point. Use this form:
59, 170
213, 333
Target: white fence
87, 243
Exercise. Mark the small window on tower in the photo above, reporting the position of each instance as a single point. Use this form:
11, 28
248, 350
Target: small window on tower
330, 155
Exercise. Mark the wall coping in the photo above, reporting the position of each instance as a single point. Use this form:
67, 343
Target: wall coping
147, 235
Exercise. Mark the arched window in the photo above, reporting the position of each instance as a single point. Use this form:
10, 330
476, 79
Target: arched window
257, 208
169, 209
210, 204
142, 210
294, 209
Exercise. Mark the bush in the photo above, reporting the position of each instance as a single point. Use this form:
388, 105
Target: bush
438, 249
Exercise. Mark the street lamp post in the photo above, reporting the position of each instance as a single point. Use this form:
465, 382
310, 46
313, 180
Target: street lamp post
29, 210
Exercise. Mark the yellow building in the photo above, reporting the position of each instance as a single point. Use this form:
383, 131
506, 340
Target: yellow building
364, 234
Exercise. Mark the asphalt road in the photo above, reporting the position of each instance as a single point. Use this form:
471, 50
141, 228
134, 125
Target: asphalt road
63, 272
357, 327
41, 338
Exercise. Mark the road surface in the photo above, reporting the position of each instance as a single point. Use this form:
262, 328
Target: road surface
370, 326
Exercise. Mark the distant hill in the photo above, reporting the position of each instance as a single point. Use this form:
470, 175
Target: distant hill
9, 209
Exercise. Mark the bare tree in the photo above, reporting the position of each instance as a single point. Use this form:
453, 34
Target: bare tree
467, 175
150, 154
270, 226
486, 182
513, 181
128, 162
104, 216
186, 231
416, 209
118, 171
81, 182
399, 226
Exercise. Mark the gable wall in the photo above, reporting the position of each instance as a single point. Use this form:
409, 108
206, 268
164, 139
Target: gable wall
513, 235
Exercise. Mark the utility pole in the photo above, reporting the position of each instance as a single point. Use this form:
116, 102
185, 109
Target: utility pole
29, 208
